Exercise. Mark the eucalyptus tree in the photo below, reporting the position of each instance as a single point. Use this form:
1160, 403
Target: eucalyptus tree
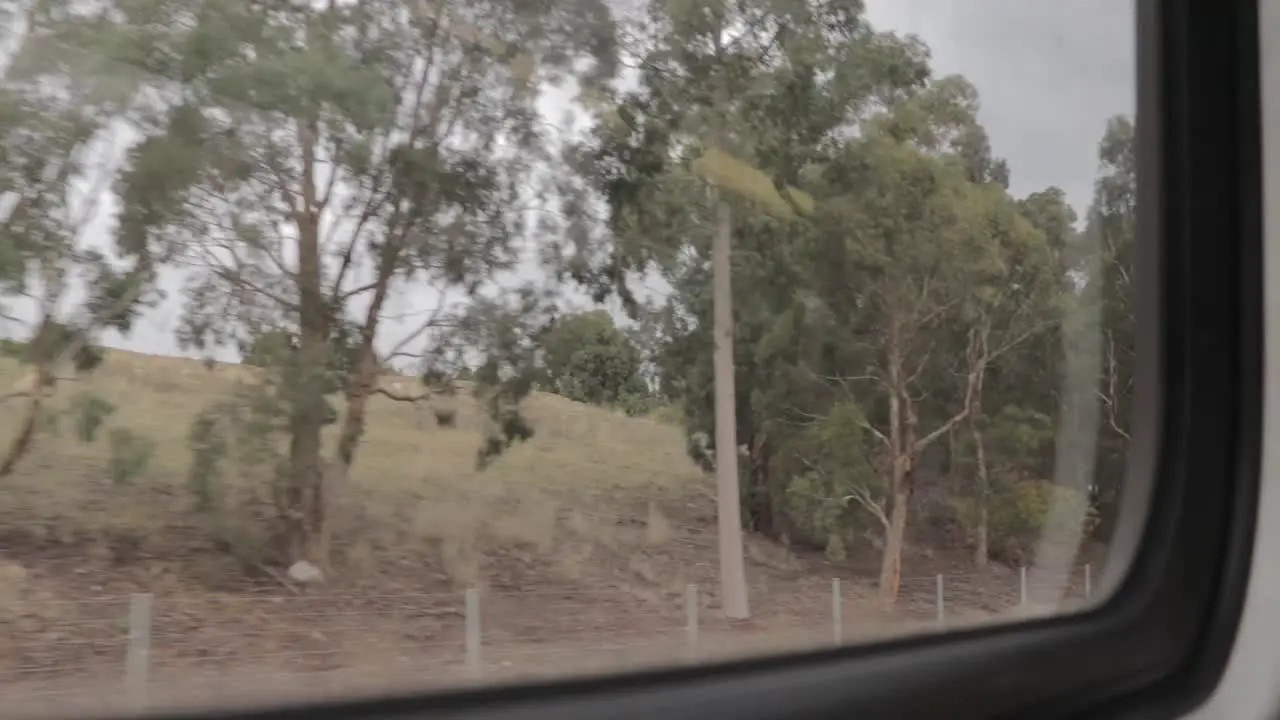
1109, 237
63, 113
925, 270
733, 99
317, 161
1018, 299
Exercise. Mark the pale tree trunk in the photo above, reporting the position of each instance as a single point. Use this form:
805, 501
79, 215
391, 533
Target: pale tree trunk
895, 537
733, 572
899, 474
733, 576
978, 357
905, 447
981, 553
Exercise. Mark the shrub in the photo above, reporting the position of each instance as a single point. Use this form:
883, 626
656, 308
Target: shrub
1020, 513
130, 455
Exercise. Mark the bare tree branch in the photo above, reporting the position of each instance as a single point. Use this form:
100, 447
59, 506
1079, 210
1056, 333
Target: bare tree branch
862, 496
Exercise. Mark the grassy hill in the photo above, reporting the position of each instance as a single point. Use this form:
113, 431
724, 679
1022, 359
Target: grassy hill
589, 533
590, 487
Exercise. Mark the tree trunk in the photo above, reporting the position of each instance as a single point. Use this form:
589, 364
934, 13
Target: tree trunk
362, 381
895, 540
733, 576
25, 438
978, 357
305, 498
41, 381
900, 447
982, 531
762, 509
306, 510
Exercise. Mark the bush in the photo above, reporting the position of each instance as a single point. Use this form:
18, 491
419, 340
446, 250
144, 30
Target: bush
833, 484
130, 455
51, 339
90, 413
590, 360
445, 417
1020, 513
667, 414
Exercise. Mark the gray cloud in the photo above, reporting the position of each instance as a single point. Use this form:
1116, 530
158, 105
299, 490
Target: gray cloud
1049, 74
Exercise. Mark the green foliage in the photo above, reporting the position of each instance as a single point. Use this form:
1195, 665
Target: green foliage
89, 413
880, 266
50, 342
276, 350
426, 122
1022, 512
899, 272
835, 490
822, 518
667, 414
510, 334
270, 349
239, 434
130, 453
237, 468
1015, 434
207, 444
510, 427
590, 360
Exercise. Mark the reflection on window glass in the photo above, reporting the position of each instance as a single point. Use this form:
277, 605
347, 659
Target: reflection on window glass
357, 345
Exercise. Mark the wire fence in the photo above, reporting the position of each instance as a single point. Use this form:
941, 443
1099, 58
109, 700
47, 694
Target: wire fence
144, 650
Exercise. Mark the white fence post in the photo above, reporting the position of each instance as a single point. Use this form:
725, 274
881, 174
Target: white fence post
941, 602
1022, 586
138, 655
1088, 581
691, 620
837, 613
472, 606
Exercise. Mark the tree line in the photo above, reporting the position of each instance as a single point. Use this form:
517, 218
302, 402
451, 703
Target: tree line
905, 344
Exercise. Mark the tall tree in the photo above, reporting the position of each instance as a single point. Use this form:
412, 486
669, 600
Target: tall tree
742, 94
1015, 302
62, 113
343, 154
916, 251
1019, 398
1108, 239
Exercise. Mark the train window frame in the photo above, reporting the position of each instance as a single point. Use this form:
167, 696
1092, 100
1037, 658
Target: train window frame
1247, 688
1159, 644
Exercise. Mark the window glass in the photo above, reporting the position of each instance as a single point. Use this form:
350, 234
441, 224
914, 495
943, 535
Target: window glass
355, 345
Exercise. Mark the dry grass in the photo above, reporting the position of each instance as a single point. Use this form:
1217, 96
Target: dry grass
582, 541
415, 490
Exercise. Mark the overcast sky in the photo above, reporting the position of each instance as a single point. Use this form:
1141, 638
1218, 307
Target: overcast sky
1049, 74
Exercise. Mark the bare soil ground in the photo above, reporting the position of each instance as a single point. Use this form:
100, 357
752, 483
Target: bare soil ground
581, 542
